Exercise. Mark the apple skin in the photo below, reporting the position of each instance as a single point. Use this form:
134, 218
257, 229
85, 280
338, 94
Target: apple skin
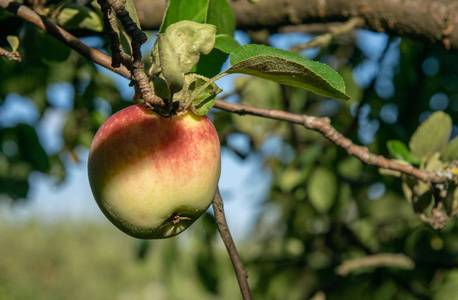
152, 176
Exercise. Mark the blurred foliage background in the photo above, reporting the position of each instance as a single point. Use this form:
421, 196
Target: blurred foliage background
323, 208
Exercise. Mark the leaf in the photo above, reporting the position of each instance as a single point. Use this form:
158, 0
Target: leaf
450, 151
13, 41
160, 88
178, 10
287, 68
170, 64
400, 151
351, 168
219, 13
322, 189
432, 135
190, 40
30, 148
448, 287
210, 65
265, 94
216, 12
205, 99
74, 16
226, 43
129, 6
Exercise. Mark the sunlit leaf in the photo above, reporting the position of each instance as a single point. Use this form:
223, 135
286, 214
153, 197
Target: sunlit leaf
203, 99
432, 135
179, 10
74, 16
170, 64
450, 151
129, 6
287, 68
219, 13
322, 189
13, 41
226, 43
400, 151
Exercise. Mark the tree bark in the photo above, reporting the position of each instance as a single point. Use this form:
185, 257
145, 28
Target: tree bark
432, 21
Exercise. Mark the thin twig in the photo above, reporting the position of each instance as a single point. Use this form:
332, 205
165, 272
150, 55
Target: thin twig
321, 125
399, 260
242, 276
325, 39
62, 35
11, 55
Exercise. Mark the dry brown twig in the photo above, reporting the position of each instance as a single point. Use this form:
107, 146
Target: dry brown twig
138, 38
399, 260
241, 274
325, 39
11, 55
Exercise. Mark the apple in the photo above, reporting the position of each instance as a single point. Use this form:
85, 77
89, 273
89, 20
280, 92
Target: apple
153, 176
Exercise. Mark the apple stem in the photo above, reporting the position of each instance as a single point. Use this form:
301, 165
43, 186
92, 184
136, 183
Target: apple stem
240, 272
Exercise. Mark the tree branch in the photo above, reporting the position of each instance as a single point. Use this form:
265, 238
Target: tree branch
432, 21
11, 55
399, 260
321, 125
62, 35
242, 276
325, 39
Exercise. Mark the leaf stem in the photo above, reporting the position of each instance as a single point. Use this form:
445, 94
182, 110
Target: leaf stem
199, 91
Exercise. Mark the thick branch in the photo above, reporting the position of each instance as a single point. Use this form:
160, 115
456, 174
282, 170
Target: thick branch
434, 21
242, 276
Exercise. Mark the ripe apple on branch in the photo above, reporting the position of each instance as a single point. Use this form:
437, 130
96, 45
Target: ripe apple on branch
154, 170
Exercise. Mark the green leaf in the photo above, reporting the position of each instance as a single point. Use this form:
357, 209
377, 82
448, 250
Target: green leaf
178, 10
13, 41
220, 14
450, 151
287, 68
448, 288
129, 6
432, 135
203, 99
400, 151
322, 189
257, 91
210, 65
188, 40
170, 64
30, 148
74, 16
160, 88
226, 43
